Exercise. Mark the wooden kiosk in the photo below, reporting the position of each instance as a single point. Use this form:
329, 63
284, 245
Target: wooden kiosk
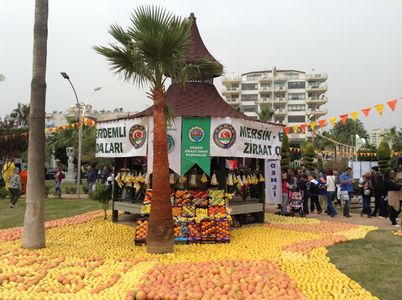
211, 146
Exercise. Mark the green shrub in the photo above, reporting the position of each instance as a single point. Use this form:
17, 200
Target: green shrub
383, 156
308, 157
70, 189
102, 194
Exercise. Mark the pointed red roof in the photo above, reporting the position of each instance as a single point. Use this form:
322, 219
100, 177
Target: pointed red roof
195, 99
198, 49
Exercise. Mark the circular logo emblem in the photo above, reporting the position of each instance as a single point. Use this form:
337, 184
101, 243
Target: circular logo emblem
196, 134
171, 144
224, 136
137, 136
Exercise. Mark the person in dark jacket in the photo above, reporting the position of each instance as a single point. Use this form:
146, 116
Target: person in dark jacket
378, 186
91, 178
314, 191
394, 190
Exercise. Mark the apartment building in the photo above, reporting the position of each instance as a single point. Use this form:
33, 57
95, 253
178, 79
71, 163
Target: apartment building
377, 135
294, 96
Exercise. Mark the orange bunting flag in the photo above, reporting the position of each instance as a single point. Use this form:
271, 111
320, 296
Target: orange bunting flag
344, 118
312, 125
366, 111
295, 128
303, 128
379, 108
332, 120
392, 103
286, 130
322, 123
354, 115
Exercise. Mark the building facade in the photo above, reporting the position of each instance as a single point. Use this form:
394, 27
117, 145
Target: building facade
294, 96
377, 135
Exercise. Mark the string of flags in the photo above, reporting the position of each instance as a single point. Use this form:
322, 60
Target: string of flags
352, 115
87, 122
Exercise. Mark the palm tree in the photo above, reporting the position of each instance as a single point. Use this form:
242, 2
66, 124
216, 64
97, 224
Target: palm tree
152, 48
265, 114
34, 223
394, 138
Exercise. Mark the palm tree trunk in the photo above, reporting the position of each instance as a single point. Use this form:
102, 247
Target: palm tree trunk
34, 224
160, 231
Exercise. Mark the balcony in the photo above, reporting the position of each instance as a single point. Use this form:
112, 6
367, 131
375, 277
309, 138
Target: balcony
264, 90
317, 100
228, 80
280, 100
318, 112
280, 77
279, 89
321, 77
317, 88
231, 91
280, 112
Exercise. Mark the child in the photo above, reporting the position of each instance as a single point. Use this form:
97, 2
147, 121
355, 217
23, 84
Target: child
366, 195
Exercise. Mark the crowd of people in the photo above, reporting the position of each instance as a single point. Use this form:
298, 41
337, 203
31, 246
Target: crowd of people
14, 178
305, 192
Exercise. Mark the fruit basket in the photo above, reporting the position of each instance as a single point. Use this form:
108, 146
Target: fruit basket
207, 231
193, 232
141, 231
183, 197
148, 196
222, 230
216, 197
188, 211
180, 232
177, 210
145, 209
216, 210
200, 199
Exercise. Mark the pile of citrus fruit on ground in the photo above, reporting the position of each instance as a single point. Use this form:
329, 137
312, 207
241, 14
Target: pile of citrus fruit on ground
90, 258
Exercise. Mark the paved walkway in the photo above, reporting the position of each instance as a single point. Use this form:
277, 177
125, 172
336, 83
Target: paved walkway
381, 223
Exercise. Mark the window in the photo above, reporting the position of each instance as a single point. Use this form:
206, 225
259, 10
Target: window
265, 86
253, 76
297, 85
249, 86
296, 107
251, 97
296, 96
296, 119
293, 75
249, 108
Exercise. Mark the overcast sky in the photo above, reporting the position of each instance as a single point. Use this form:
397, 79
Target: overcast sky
357, 42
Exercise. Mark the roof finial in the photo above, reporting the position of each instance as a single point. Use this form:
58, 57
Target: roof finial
192, 16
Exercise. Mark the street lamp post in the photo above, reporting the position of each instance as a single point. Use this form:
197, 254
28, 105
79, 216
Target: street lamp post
81, 123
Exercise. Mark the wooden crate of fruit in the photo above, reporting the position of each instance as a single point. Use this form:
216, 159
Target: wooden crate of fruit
180, 232
193, 232
177, 210
216, 210
207, 231
222, 230
200, 199
141, 231
148, 196
216, 197
188, 210
183, 197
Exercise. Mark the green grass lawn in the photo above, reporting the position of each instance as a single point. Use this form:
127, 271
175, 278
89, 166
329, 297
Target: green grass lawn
54, 209
375, 262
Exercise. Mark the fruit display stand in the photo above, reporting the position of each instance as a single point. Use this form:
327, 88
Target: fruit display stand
200, 223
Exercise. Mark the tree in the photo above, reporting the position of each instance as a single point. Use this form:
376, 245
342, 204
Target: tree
285, 156
346, 133
309, 156
2, 77
265, 114
151, 49
383, 156
394, 139
34, 224
20, 115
